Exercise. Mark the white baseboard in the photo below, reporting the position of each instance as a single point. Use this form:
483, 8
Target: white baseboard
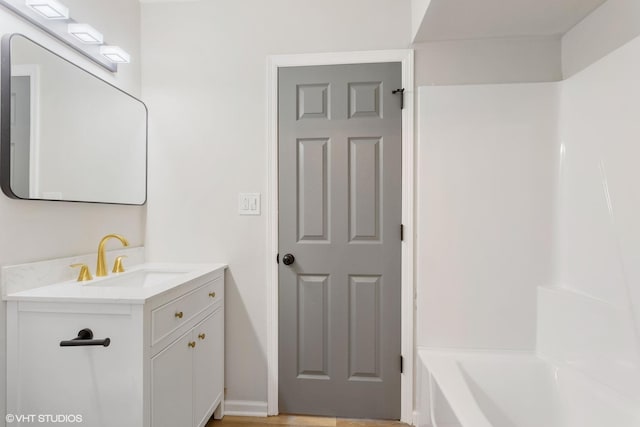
417, 417
245, 408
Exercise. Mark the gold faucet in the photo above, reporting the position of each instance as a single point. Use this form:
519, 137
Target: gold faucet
101, 269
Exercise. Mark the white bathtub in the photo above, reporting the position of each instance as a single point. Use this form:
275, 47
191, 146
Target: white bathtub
514, 390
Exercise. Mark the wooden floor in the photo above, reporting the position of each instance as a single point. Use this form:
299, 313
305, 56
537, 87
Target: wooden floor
300, 421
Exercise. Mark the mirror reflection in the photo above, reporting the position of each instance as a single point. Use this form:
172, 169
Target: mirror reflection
66, 134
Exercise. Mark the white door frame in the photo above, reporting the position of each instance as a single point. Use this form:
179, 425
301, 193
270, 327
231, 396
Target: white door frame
405, 56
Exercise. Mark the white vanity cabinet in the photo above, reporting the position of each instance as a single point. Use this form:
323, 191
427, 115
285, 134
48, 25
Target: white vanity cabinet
164, 365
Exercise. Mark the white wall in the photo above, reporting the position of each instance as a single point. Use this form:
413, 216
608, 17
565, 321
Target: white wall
599, 237
486, 61
41, 230
485, 212
204, 79
605, 29
598, 241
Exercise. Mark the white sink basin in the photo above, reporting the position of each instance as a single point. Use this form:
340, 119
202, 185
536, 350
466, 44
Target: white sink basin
144, 278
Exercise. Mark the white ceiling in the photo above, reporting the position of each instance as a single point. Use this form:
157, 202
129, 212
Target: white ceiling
474, 19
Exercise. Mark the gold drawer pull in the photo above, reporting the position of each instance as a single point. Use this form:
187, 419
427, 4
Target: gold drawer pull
192, 344
212, 294
179, 314
201, 336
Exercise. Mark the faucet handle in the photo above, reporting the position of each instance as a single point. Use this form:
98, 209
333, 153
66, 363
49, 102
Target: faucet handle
85, 274
117, 264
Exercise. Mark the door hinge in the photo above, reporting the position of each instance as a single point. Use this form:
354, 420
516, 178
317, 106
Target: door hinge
401, 92
401, 364
401, 232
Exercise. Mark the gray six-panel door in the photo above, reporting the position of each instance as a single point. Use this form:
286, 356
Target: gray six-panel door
339, 217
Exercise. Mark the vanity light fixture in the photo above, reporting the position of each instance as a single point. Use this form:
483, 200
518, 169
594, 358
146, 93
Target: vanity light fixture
115, 54
53, 17
50, 9
85, 33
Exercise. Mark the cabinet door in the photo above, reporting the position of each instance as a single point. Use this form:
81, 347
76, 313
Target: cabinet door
208, 365
103, 384
172, 385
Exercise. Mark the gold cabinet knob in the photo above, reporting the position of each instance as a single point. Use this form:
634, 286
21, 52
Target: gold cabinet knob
201, 336
192, 344
179, 314
212, 294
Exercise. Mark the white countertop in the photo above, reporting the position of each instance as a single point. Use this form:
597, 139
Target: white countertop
99, 291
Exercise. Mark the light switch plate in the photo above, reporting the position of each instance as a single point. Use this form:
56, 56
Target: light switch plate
249, 204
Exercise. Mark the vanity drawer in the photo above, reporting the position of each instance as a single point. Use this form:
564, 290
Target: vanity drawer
177, 313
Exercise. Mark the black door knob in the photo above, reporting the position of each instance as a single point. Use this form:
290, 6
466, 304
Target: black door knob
288, 259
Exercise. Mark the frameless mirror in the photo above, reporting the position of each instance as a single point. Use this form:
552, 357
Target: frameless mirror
66, 134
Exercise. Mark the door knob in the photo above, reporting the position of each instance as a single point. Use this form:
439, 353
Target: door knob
288, 259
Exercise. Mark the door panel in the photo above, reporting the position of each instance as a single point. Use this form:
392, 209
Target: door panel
364, 328
313, 210
313, 325
312, 101
339, 214
364, 189
364, 100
